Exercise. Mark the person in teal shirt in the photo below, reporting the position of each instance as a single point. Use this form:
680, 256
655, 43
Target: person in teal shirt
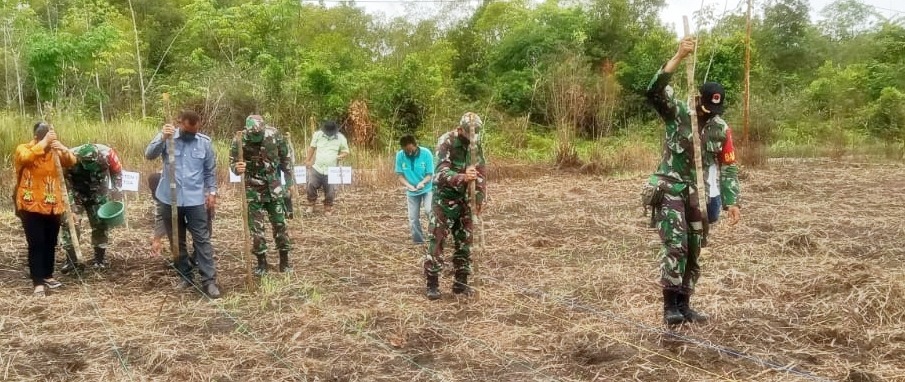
415, 170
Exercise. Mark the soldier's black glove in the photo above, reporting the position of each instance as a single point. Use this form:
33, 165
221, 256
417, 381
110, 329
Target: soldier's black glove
287, 205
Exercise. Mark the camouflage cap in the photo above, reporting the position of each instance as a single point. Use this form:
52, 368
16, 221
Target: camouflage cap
254, 123
87, 153
469, 118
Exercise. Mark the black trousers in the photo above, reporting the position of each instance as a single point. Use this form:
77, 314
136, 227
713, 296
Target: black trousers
41, 232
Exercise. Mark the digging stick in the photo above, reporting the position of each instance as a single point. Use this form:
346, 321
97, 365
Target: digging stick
174, 212
472, 186
696, 138
294, 190
246, 236
64, 189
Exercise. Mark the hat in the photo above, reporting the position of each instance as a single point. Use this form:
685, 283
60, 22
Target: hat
469, 118
254, 123
87, 153
713, 97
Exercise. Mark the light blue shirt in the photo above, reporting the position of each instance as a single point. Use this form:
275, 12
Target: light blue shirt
196, 169
415, 169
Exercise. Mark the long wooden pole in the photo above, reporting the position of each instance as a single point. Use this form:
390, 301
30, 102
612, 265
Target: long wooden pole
472, 186
246, 236
171, 172
696, 133
64, 189
747, 114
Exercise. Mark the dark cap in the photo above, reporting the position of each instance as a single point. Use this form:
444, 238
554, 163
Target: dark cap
713, 97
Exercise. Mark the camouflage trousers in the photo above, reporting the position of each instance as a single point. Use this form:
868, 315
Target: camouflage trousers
679, 268
259, 209
99, 230
446, 216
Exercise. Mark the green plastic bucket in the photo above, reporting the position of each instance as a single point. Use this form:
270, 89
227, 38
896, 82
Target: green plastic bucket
112, 213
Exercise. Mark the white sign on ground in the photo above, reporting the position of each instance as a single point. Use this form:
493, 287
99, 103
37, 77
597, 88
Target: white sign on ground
339, 175
131, 181
301, 175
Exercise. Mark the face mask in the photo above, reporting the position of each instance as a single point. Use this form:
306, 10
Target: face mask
186, 136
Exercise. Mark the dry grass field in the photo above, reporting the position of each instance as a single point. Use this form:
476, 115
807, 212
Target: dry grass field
809, 287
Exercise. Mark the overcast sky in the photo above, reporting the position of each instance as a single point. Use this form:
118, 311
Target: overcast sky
671, 14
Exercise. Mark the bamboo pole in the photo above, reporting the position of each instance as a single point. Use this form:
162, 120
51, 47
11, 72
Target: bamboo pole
246, 236
747, 113
64, 190
171, 172
696, 133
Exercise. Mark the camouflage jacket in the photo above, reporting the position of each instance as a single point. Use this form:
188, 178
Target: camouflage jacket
265, 161
676, 171
453, 158
88, 178
719, 160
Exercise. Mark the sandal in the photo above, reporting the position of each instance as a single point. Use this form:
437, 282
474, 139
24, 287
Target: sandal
52, 284
39, 291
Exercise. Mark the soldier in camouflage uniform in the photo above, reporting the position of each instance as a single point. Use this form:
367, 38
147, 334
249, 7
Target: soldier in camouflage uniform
266, 155
680, 222
88, 190
450, 205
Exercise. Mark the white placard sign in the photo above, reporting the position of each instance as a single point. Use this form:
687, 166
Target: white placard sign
233, 178
131, 181
339, 175
301, 174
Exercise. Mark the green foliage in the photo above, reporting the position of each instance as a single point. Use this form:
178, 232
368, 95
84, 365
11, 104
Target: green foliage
536, 66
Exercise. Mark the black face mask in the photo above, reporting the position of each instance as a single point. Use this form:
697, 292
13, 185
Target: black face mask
414, 154
186, 136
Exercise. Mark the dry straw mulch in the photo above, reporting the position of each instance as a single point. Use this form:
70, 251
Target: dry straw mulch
812, 279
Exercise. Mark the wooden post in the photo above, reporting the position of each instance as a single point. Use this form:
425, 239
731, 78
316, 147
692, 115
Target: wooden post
747, 114
695, 129
472, 186
243, 199
64, 190
294, 191
171, 173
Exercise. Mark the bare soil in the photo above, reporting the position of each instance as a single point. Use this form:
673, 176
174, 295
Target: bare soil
811, 281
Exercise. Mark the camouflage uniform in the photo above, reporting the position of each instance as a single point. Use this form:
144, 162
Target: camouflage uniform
88, 190
679, 217
450, 210
267, 157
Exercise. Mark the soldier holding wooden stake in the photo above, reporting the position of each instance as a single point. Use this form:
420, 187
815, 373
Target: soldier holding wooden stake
451, 208
266, 158
674, 184
196, 181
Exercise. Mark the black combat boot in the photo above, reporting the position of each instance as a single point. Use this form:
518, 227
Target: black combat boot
261, 269
70, 264
671, 314
689, 314
100, 262
433, 287
284, 262
460, 286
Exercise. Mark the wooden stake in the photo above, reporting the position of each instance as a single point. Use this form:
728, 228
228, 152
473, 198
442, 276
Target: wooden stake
171, 172
695, 129
64, 190
472, 186
246, 236
747, 113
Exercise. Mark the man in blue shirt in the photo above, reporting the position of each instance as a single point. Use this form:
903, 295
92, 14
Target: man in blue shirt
415, 168
196, 192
